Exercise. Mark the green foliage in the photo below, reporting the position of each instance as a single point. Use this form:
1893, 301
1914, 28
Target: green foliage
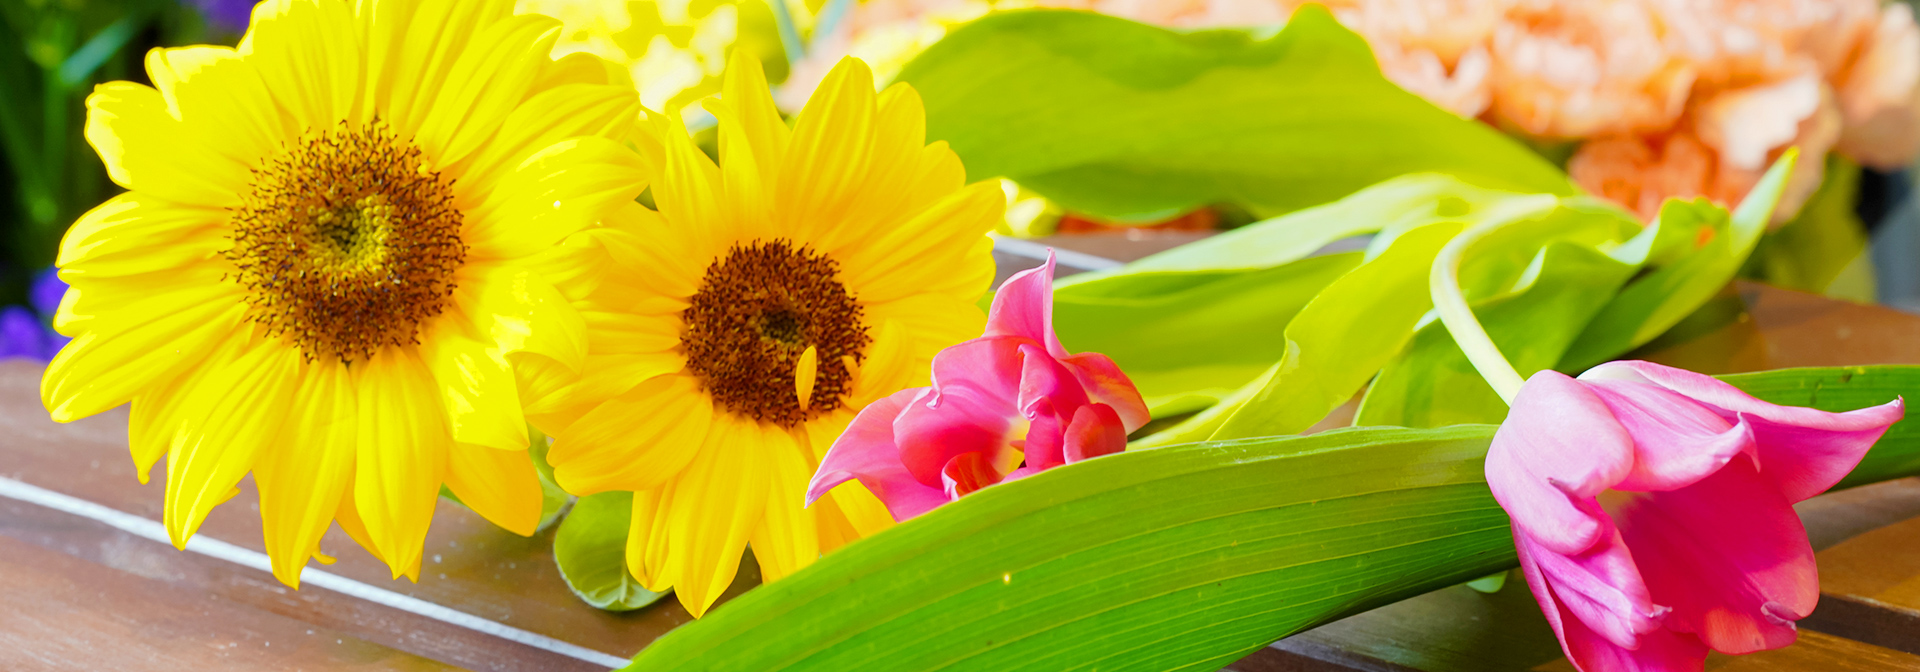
1128, 121
1179, 558
591, 550
1651, 304
1823, 250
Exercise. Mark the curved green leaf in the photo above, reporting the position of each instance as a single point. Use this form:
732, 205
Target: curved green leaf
1185, 557
1219, 546
1058, 101
1651, 304
591, 549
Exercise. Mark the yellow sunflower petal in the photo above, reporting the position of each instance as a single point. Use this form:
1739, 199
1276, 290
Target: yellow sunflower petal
557, 191
688, 193
220, 100
653, 256
897, 262
303, 476
895, 361
828, 159
645, 529
715, 503
231, 407
101, 370
135, 233
554, 395
636, 441
579, 68
145, 149
616, 333
402, 444
788, 538
749, 118
477, 388
889, 194
491, 77
409, 61
500, 485
548, 117
309, 54
517, 311
350, 521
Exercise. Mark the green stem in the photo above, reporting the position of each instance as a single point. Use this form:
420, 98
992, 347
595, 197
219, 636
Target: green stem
1454, 312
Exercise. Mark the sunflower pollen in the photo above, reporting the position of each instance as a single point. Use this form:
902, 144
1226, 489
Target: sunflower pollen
347, 242
767, 317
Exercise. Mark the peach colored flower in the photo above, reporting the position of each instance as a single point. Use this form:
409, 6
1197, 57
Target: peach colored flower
1589, 68
1879, 92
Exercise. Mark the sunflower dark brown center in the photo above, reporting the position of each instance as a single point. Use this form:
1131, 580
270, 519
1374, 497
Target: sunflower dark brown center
347, 242
757, 312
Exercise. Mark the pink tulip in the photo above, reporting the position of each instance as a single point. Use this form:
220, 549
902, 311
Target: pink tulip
1003, 406
1653, 510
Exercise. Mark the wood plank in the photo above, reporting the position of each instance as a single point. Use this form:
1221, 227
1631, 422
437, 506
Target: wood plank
68, 615
1815, 652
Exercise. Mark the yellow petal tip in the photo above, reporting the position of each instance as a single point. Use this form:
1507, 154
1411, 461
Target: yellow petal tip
804, 373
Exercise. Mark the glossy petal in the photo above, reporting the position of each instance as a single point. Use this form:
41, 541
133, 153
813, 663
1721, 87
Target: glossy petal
1024, 307
1558, 448
866, 451
1675, 442
1730, 557
1096, 430
1804, 451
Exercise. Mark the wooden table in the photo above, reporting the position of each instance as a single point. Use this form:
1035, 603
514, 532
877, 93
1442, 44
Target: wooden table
83, 589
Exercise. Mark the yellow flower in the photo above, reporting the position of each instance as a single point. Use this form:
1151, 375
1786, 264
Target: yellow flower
322, 270
733, 334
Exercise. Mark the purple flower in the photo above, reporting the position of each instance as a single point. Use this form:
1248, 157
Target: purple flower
25, 334
230, 15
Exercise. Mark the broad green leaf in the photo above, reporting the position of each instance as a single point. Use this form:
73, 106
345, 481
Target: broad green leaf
1180, 558
591, 549
1345, 335
1123, 120
1431, 383
1655, 302
1218, 546
1822, 249
1845, 388
1184, 349
1193, 325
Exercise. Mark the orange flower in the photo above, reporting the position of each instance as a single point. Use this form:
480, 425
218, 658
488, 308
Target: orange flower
1584, 69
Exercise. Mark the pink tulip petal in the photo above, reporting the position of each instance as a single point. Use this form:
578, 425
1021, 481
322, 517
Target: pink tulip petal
1804, 451
958, 419
1558, 448
966, 473
1045, 443
1728, 555
866, 451
1676, 441
993, 366
1600, 587
1043, 377
1023, 307
1659, 649
1107, 384
1096, 430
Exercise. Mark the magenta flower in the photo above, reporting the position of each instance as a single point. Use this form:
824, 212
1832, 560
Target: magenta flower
1653, 510
1003, 406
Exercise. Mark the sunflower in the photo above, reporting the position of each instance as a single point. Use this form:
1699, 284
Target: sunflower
734, 332
324, 270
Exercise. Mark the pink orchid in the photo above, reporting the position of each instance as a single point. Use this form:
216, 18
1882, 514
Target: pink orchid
1012, 395
1653, 510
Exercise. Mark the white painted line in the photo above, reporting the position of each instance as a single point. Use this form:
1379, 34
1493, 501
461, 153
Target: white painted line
215, 548
1033, 250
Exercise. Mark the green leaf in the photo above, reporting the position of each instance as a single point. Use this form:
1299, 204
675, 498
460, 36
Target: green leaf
1180, 558
1219, 547
591, 550
1194, 325
1655, 302
1432, 383
1823, 249
1186, 348
553, 498
1123, 120
1341, 339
